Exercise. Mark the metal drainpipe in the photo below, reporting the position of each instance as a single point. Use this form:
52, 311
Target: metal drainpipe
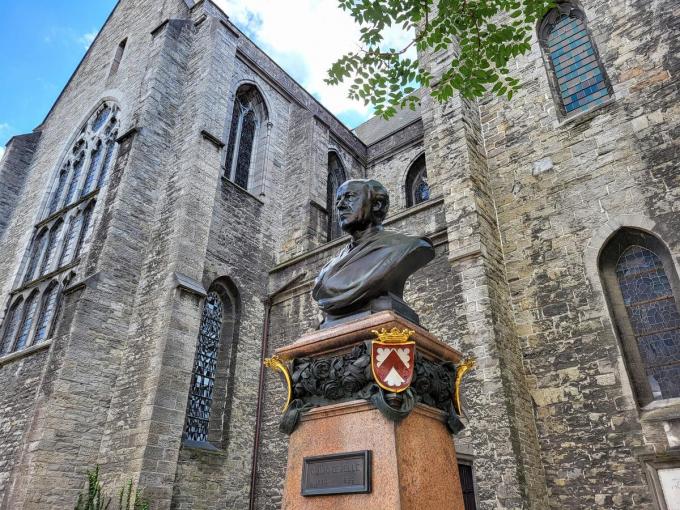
260, 386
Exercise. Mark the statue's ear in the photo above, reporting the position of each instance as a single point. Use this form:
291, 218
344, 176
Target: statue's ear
378, 205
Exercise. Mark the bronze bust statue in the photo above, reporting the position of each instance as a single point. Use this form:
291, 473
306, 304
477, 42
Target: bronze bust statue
368, 275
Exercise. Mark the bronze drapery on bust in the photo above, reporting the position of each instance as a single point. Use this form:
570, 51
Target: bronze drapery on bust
368, 275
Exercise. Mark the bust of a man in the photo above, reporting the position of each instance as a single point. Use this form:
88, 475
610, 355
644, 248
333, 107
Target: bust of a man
368, 275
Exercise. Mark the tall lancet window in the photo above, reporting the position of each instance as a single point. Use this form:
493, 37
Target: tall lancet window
209, 395
642, 286
60, 237
245, 136
205, 364
336, 176
577, 76
417, 188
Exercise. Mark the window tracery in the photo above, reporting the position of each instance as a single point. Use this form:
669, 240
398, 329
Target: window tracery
59, 240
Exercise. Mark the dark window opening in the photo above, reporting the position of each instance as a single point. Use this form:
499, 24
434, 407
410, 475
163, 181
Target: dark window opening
417, 187
336, 176
118, 57
468, 486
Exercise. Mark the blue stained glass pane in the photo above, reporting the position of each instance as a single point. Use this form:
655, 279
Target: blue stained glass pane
75, 178
27, 321
205, 363
660, 348
46, 314
575, 66
654, 316
101, 117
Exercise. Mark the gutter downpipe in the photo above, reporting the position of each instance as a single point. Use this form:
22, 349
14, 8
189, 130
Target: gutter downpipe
268, 304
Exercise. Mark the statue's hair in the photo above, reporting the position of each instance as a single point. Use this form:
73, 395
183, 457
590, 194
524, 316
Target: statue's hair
376, 192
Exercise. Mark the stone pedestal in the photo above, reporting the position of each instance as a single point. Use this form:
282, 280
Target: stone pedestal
413, 461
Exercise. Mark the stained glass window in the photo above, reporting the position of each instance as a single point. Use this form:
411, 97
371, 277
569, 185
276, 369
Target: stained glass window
39, 245
70, 240
49, 304
51, 249
59, 191
417, 188
11, 324
579, 76
247, 116
654, 318
64, 228
75, 178
336, 176
84, 228
92, 169
203, 375
108, 157
26, 321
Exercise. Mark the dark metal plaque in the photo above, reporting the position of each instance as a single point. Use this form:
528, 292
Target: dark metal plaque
340, 473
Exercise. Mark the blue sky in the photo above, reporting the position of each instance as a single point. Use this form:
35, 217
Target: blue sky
43, 41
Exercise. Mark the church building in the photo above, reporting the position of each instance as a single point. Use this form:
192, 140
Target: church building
161, 230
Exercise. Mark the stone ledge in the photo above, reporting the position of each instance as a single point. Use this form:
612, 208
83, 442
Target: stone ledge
13, 356
188, 284
661, 410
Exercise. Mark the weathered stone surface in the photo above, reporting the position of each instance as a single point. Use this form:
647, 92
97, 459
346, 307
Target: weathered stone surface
522, 202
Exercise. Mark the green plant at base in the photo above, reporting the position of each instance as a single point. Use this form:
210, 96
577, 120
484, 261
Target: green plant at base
96, 499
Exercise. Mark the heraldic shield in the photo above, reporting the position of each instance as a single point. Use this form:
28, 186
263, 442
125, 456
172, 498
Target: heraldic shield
393, 359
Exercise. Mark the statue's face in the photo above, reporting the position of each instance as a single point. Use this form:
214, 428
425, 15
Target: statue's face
353, 204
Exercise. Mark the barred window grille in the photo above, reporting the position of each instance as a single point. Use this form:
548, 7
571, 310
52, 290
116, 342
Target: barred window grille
467, 486
205, 364
578, 75
336, 176
62, 231
417, 187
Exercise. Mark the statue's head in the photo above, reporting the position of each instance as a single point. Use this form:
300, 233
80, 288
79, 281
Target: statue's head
361, 203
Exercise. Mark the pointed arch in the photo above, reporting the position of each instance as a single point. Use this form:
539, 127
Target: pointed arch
416, 185
578, 79
642, 289
246, 135
10, 326
38, 248
27, 320
209, 402
47, 312
336, 176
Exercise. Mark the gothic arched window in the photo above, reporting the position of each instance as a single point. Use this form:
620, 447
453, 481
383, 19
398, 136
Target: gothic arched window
336, 176
417, 188
577, 75
49, 306
642, 286
248, 115
37, 251
67, 219
215, 352
10, 326
27, 319
48, 258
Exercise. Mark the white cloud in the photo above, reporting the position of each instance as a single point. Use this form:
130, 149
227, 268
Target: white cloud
86, 39
2, 152
305, 37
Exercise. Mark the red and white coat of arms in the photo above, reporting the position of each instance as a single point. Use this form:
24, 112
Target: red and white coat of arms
393, 360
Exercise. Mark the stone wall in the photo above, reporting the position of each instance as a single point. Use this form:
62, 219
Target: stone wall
561, 188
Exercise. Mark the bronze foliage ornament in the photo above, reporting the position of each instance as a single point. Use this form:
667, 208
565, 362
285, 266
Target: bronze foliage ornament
317, 382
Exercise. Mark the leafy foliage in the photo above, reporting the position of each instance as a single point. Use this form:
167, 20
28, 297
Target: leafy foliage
96, 499
486, 35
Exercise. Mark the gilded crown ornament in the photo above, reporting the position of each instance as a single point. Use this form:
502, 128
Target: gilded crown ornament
393, 336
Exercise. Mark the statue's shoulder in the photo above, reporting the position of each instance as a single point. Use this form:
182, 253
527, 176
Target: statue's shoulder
398, 239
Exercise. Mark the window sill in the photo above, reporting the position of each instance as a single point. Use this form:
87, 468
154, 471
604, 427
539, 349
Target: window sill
61, 212
46, 277
568, 122
661, 410
13, 356
203, 447
232, 183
